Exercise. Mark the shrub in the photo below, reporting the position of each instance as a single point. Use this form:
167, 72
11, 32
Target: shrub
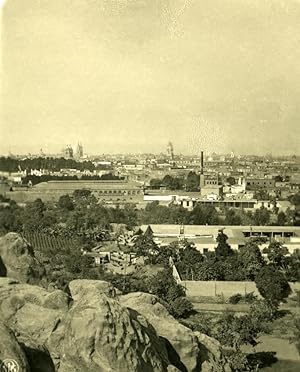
181, 307
235, 299
250, 298
272, 284
263, 311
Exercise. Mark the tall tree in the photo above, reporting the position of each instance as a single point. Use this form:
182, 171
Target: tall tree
223, 249
277, 254
251, 259
204, 215
192, 182
281, 219
272, 284
145, 246
261, 217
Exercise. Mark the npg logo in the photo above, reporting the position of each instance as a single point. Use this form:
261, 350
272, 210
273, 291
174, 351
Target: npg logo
9, 365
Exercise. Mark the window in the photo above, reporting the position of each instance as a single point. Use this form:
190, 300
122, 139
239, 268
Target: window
205, 250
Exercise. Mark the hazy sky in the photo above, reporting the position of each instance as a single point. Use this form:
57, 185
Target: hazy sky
131, 75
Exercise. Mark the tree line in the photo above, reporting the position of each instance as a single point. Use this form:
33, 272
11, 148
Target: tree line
11, 164
34, 180
223, 263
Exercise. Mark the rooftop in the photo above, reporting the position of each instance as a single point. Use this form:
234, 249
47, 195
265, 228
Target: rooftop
205, 231
90, 185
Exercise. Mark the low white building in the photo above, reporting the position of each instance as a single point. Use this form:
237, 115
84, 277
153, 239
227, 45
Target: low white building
204, 236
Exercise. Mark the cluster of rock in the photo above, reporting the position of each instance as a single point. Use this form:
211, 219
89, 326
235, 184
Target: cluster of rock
92, 329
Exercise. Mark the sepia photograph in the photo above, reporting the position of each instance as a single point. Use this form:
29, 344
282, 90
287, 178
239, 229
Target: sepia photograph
150, 186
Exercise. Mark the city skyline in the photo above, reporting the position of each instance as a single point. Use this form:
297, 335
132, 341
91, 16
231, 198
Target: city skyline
129, 76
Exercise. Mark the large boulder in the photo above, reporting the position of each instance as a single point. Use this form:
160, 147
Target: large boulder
17, 259
92, 333
30, 311
182, 344
92, 329
187, 350
211, 350
11, 350
98, 334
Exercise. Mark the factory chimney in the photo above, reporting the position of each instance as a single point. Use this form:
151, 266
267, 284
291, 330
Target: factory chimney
202, 172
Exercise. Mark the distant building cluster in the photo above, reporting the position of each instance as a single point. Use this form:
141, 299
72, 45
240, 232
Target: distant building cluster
204, 237
73, 151
224, 181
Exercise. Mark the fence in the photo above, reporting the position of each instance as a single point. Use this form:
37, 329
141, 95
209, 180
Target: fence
222, 288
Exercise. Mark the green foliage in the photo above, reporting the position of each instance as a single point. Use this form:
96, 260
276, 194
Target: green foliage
209, 270
203, 214
292, 267
276, 254
164, 286
10, 218
192, 182
188, 260
272, 284
231, 180
144, 246
234, 331
237, 361
37, 217
263, 312
126, 283
76, 263
173, 183
230, 268
261, 217
164, 255
181, 307
281, 219
155, 183
10, 164
155, 213
232, 218
250, 259
235, 299
250, 298
223, 249
295, 199
66, 203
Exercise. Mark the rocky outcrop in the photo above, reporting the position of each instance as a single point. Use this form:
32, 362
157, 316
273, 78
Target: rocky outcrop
98, 334
31, 312
17, 259
10, 349
187, 350
95, 333
92, 328
181, 342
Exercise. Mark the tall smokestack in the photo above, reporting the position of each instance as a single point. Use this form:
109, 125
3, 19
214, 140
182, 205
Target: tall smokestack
202, 182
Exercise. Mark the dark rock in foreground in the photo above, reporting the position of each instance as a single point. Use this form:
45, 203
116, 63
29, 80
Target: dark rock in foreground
92, 329
17, 259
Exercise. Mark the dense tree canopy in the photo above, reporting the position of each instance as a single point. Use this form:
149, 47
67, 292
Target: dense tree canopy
272, 284
223, 249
